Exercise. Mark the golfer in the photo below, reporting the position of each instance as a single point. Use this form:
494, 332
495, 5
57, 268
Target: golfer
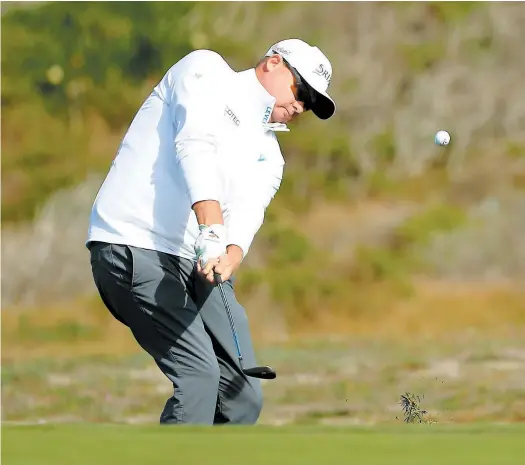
184, 197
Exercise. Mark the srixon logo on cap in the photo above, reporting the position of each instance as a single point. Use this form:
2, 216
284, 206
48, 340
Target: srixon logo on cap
280, 49
321, 71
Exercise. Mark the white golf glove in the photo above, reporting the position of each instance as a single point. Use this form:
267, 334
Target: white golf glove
211, 243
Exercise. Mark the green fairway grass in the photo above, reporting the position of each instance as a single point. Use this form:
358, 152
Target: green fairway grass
86, 444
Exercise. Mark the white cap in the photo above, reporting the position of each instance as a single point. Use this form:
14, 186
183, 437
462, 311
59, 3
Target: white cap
314, 67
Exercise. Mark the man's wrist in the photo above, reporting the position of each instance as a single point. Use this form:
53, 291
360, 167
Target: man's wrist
208, 212
235, 253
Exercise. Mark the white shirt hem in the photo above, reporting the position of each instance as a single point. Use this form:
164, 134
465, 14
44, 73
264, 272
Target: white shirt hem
143, 243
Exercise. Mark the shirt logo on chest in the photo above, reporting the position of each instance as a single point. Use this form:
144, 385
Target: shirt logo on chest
267, 114
231, 115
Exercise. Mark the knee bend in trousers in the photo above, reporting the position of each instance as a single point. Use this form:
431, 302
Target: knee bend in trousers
194, 396
246, 407
255, 404
200, 384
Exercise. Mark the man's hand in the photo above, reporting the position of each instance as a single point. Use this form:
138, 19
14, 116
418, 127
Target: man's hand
210, 244
225, 265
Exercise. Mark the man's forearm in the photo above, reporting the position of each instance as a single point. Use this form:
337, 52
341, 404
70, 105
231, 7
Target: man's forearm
208, 212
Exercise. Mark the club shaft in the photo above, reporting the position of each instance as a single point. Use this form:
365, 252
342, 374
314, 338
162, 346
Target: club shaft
232, 322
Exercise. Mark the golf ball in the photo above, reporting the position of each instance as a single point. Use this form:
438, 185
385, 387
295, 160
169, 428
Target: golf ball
442, 138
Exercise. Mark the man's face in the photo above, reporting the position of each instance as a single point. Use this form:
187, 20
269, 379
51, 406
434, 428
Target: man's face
280, 82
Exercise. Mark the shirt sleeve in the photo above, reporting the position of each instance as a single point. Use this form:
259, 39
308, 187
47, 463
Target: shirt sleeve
197, 110
246, 214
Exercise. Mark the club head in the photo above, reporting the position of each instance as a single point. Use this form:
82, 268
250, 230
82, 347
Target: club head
260, 372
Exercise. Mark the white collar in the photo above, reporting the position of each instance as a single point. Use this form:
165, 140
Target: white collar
262, 101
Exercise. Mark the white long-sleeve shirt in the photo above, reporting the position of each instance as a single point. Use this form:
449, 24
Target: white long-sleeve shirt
200, 135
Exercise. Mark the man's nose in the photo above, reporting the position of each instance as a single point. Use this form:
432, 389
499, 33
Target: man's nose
292, 110
297, 108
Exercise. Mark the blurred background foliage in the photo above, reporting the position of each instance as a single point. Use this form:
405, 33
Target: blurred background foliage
370, 212
65, 64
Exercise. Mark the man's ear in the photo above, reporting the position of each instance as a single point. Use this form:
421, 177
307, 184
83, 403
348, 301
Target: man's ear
273, 62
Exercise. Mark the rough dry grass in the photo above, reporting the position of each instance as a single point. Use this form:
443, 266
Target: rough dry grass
343, 380
108, 445
459, 347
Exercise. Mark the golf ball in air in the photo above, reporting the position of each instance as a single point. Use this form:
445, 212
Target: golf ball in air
442, 138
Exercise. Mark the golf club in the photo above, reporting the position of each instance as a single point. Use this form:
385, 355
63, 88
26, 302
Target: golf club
263, 372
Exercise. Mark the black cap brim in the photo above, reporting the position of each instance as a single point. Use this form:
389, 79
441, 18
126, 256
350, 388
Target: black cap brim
321, 105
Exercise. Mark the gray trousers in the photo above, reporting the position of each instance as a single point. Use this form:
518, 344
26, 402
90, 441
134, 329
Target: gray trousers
179, 319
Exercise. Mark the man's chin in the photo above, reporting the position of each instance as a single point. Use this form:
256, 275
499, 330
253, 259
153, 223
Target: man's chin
280, 120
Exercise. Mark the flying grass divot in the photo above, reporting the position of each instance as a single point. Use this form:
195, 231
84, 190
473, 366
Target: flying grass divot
414, 413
